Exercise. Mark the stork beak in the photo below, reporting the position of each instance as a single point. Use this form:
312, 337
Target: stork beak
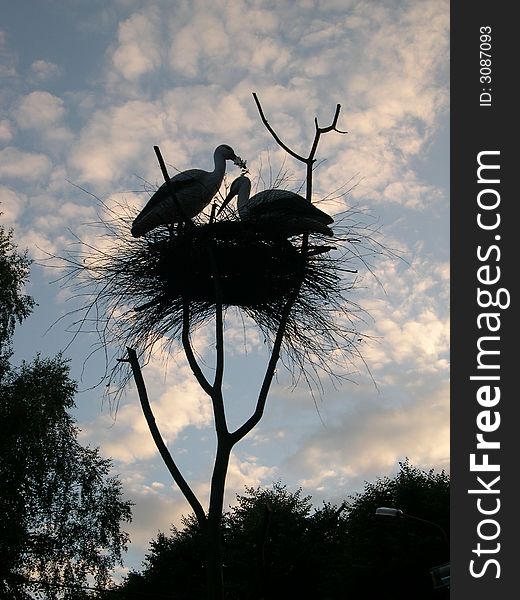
240, 162
227, 200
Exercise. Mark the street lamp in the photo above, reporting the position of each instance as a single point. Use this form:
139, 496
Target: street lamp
441, 573
396, 512
389, 512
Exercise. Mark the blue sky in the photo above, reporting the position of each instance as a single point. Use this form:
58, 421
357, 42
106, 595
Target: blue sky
87, 90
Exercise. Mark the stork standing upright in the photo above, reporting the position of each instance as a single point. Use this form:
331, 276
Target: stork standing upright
286, 213
193, 191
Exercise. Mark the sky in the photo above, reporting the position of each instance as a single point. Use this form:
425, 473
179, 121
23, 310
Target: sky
87, 90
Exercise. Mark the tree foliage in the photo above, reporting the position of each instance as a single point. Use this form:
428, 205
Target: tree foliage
396, 554
14, 304
276, 546
60, 510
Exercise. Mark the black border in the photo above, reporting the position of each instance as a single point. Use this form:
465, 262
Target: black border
476, 128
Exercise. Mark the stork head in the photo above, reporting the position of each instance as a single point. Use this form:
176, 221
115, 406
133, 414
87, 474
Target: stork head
227, 153
240, 183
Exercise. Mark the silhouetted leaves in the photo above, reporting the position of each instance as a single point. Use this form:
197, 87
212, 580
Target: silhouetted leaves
276, 546
14, 304
60, 511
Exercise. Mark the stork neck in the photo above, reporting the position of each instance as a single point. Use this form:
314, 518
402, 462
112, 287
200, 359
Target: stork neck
244, 191
220, 165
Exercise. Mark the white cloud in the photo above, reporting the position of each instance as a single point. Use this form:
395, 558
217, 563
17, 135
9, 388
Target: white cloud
69, 213
44, 70
365, 443
177, 402
154, 510
6, 131
11, 205
118, 141
410, 192
206, 112
138, 49
411, 322
27, 166
241, 335
39, 110
227, 37
158, 505
246, 472
203, 37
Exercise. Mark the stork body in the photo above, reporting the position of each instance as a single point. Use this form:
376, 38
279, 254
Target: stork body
193, 191
286, 213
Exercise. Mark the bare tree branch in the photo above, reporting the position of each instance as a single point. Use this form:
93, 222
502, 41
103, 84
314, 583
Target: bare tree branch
216, 396
243, 430
188, 350
273, 133
310, 159
334, 123
159, 442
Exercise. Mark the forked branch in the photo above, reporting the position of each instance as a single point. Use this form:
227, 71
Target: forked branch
309, 160
188, 350
216, 397
273, 132
242, 431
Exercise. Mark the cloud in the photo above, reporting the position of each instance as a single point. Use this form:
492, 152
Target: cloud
177, 403
119, 140
389, 102
138, 48
115, 140
6, 131
159, 504
242, 337
410, 324
39, 110
11, 205
154, 510
43, 113
203, 112
389, 81
248, 472
420, 343
27, 166
233, 36
44, 70
366, 442
202, 38
410, 192
70, 213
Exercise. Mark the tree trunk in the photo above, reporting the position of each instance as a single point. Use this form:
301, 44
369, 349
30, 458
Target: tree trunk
214, 573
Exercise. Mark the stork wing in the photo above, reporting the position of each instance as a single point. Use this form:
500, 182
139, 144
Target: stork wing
177, 183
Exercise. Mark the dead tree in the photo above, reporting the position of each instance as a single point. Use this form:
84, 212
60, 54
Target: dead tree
210, 520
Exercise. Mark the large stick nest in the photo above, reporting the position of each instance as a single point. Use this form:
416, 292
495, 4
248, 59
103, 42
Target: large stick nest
134, 291
235, 258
